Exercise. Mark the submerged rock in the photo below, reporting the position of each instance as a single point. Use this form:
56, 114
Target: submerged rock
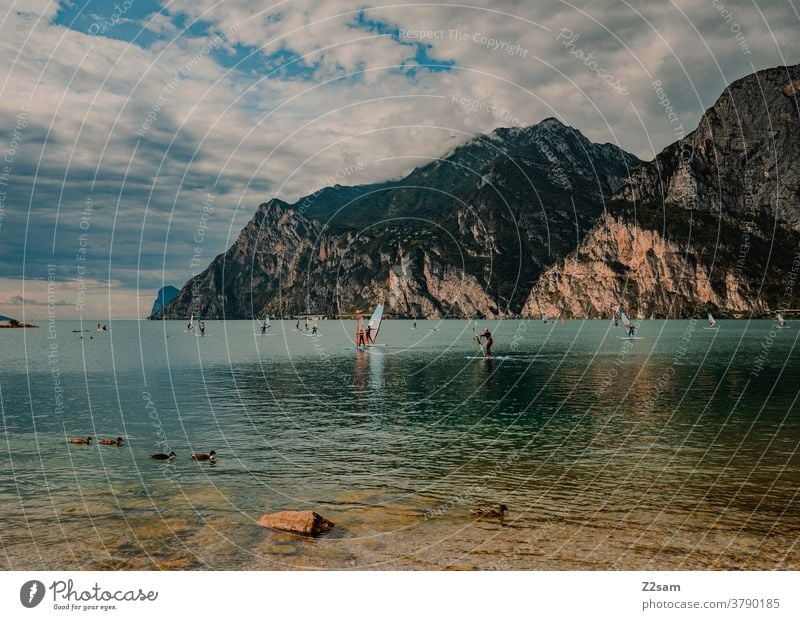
306, 522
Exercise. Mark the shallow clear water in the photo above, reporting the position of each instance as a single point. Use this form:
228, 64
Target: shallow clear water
679, 450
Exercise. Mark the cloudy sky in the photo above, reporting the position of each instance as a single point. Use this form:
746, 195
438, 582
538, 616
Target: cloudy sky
138, 135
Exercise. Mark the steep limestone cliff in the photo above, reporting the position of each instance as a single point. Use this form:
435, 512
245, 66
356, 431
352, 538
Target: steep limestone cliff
713, 222
621, 264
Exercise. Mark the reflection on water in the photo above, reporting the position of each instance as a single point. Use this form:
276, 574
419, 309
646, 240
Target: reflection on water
671, 452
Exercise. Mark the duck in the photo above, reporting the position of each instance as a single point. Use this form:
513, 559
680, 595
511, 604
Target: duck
163, 457
85, 442
490, 512
205, 457
111, 442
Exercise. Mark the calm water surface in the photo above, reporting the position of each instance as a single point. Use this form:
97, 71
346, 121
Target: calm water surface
679, 450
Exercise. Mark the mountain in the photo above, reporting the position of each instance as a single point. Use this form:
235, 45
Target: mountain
539, 219
713, 223
467, 234
165, 295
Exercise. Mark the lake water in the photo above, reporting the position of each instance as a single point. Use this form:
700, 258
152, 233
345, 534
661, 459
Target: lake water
676, 451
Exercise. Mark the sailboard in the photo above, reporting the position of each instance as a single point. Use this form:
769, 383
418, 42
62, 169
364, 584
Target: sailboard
374, 326
628, 324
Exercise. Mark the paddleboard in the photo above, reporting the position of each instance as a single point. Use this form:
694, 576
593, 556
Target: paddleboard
629, 337
483, 357
711, 328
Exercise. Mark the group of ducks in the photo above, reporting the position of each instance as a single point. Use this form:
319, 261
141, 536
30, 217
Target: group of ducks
104, 442
499, 511
197, 456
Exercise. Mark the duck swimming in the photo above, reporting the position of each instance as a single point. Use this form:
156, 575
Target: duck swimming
490, 512
111, 442
205, 457
85, 442
163, 457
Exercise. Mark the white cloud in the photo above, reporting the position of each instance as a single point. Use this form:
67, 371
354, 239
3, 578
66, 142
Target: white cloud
255, 135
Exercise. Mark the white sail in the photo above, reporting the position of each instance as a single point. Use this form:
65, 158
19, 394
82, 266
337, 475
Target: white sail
375, 322
780, 319
625, 320
191, 322
711, 321
544, 318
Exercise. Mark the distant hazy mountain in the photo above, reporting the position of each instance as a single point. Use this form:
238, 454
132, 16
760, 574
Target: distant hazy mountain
165, 295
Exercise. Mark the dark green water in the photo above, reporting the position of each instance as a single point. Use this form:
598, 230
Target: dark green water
679, 450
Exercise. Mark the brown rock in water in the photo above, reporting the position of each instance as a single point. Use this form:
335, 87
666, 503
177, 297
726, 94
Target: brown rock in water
306, 522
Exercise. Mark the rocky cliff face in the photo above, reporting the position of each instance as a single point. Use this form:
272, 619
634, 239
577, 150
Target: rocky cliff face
540, 220
742, 158
622, 264
467, 235
713, 223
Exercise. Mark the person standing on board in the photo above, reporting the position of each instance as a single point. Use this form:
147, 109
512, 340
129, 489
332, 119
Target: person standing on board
488, 335
360, 342
202, 328
263, 327
631, 329
314, 328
